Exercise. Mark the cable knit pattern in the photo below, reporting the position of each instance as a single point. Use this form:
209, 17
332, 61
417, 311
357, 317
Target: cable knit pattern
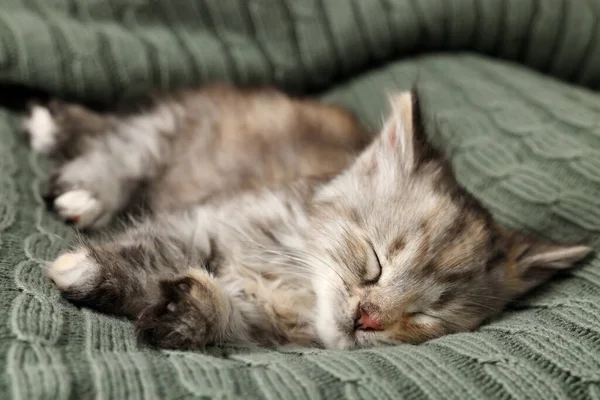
528, 145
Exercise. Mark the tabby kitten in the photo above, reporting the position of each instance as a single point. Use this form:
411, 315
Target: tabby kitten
274, 221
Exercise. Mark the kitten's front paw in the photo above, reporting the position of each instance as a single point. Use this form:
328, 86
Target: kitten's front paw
73, 273
41, 129
189, 315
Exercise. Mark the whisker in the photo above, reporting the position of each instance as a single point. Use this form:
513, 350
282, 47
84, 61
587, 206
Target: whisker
298, 256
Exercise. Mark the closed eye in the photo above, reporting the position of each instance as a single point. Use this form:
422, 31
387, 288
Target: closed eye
373, 267
423, 318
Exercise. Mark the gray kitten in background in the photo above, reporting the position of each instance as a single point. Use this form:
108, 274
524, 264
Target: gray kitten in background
276, 221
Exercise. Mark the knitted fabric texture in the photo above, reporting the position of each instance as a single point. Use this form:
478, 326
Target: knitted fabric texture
515, 114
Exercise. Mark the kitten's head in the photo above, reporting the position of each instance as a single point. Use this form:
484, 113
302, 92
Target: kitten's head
402, 253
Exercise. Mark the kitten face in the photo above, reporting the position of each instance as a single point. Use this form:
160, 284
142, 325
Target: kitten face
403, 254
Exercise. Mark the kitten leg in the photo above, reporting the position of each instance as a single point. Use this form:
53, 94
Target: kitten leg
41, 129
120, 276
88, 192
191, 313
146, 281
63, 132
105, 286
99, 160
59, 129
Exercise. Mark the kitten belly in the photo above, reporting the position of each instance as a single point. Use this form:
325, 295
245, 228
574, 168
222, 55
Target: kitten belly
277, 308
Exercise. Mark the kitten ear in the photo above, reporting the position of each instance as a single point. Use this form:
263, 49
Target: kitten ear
535, 261
397, 134
402, 135
552, 256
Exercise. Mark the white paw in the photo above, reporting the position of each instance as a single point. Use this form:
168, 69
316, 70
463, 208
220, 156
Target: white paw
42, 129
79, 207
72, 270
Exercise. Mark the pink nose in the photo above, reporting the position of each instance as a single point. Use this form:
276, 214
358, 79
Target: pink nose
365, 322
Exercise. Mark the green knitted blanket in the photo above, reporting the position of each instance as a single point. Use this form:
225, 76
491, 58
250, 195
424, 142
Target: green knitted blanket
527, 144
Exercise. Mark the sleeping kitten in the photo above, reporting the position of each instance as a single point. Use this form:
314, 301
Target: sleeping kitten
274, 221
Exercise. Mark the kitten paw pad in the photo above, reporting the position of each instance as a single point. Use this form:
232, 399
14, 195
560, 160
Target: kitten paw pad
42, 129
71, 270
78, 207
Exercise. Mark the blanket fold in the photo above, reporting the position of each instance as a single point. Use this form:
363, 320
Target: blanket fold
103, 50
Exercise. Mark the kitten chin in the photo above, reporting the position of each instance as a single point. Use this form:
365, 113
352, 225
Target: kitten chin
275, 221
